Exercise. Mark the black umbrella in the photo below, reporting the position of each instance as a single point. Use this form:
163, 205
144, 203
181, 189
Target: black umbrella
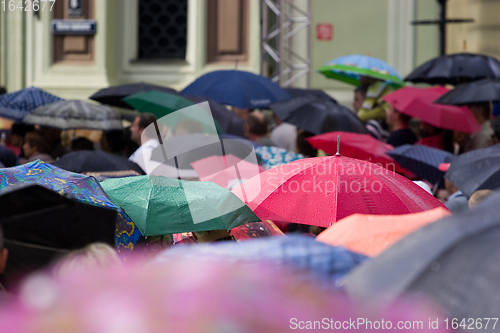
483, 91
476, 170
230, 122
73, 114
40, 224
95, 161
299, 92
317, 115
456, 68
113, 95
453, 261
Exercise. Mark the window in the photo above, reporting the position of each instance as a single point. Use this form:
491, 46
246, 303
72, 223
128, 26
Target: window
162, 29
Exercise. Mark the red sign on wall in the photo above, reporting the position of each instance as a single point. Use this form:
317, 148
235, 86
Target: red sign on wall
324, 31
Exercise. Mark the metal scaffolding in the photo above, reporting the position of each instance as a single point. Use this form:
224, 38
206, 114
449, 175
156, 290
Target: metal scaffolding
286, 41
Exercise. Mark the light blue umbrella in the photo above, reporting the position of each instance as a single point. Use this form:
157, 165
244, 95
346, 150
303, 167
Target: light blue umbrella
274, 156
17, 105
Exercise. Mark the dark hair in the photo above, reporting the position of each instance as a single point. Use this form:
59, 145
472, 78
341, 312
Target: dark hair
1, 238
404, 118
21, 129
34, 139
256, 126
303, 146
3, 90
361, 89
116, 141
485, 108
81, 143
146, 119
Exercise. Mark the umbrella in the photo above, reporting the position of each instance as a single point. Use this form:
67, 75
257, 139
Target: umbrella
453, 261
322, 190
350, 68
226, 171
230, 122
372, 234
73, 114
17, 105
82, 188
160, 205
114, 95
317, 93
313, 261
476, 170
271, 157
318, 115
237, 88
483, 91
419, 103
40, 224
95, 161
456, 68
360, 146
421, 160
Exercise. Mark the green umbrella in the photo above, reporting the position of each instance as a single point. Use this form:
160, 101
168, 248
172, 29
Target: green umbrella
160, 205
161, 104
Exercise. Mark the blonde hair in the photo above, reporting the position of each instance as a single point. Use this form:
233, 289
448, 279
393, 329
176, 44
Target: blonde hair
479, 196
93, 256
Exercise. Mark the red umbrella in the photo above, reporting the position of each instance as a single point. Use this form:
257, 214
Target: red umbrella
361, 146
319, 191
418, 103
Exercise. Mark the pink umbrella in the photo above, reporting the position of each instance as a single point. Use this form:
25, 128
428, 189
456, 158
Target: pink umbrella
226, 171
419, 103
319, 191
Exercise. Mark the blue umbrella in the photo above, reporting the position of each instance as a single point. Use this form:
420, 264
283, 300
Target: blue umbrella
313, 261
18, 104
274, 156
422, 160
237, 88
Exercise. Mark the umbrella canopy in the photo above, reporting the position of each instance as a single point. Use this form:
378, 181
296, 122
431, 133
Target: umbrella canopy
360, 146
17, 105
318, 115
237, 88
421, 160
271, 157
39, 224
312, 260
73, 114
83, 188
114, 95
95, 161
230, 122
160, 205
226, 171
419, 103
372, 234
349, 69
483, 91
453, 261
320, 191
317, 93
456, 68
476, 170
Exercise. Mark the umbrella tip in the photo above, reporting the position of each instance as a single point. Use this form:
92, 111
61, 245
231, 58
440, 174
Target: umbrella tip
338, 146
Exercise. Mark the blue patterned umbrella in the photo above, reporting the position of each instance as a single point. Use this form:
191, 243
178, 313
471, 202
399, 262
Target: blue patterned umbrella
83, 188
18, 104
275, 156
422, 160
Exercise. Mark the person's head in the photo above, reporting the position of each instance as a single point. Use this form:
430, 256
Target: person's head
3, 90
427, 129
4, 252
211, 236
242, 113
396, 119
449, 186
113, 141
17, 133
255, 126
481, 111
359, 97
33, 144
81, 143
139, 124
479, 196
365, 81
303, 146
91, 257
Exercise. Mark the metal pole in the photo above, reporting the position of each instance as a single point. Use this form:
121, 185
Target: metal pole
442, 27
